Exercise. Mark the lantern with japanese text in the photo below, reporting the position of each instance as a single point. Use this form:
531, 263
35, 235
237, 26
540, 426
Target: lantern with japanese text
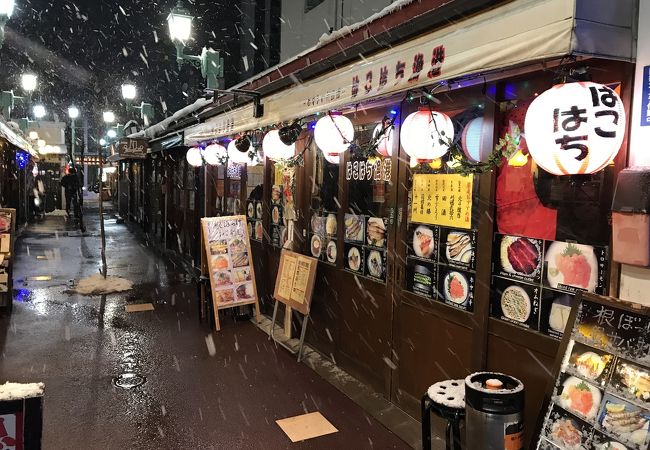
385, 141
333, 133
194, 157
422, 132
275, 149
215, 154
332, 159
575, 128
235, 155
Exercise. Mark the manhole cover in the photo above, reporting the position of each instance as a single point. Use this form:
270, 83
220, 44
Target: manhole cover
128, 380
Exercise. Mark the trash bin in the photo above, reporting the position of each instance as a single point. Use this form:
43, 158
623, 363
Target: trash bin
631, 218
494, 419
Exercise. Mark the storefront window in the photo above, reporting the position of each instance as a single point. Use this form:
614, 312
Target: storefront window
366, 219
324, 208
442, 218
254, 197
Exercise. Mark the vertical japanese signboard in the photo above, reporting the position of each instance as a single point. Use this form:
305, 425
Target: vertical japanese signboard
230, 262
601, 395
442, 199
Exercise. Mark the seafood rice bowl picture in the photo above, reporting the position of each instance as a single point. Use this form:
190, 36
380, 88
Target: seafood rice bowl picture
456, 288
571, 265
580, 397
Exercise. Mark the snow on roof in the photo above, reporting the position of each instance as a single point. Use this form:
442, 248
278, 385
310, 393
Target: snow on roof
19, 391
341, 32
161, 127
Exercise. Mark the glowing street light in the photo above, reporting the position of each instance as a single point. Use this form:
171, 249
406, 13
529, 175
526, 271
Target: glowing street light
33, 135
73, 112
29, 82
102, 142
6, 10
180, 30
111, 133
129, 91
109, 116
39, 111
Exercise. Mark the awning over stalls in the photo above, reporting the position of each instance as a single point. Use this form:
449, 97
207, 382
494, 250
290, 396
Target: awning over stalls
16, 139
519, 32
166, 142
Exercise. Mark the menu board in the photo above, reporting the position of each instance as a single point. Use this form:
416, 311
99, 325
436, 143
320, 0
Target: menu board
254, 216
323, 236
442, 199
7, 233
229, 261
366, 239
441, 264
294, 284
601, 395
534, 281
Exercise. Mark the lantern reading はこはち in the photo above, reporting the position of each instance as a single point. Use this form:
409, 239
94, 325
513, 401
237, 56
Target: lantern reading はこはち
575, 128
275, 149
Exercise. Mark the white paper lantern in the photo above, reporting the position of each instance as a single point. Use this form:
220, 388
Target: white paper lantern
236, 156
214, 154
194, 157
473, 142
575, 128
333, 133
421, 133
385, 144
332, 159
275, 149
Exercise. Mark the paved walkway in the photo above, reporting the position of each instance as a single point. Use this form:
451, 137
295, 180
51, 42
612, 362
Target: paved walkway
190, 400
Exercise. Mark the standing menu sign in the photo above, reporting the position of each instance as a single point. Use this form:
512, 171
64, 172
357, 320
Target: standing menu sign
230, 263
294, 284
601, 395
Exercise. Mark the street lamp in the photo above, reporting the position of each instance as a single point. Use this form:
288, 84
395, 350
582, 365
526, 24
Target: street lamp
111, 133
210, 62
129, 91
39, 111
28, 82
73, 113
109, 116
6, 10
102, 142
33, 135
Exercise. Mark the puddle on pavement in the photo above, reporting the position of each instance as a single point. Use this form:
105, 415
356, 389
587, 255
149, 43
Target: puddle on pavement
128, 380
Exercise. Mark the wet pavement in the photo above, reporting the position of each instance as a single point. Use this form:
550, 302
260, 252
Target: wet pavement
199, 391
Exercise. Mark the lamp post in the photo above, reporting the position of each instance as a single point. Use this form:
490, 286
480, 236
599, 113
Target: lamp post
210, 62
39, 111
73, 114
6, 10
108, 116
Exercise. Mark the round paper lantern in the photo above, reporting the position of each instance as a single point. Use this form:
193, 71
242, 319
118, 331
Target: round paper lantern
275, 149
237, 156
332, 159
575, 128
214, 154
385, 144
194, 157
421, 133
472, 141
333, 133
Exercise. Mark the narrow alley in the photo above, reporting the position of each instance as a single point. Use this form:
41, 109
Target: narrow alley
77, 345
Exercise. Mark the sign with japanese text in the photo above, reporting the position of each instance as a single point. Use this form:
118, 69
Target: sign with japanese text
229, 261
645, 97
132, 148
601, 395
294, 283
486, 42
442, 199
375, 169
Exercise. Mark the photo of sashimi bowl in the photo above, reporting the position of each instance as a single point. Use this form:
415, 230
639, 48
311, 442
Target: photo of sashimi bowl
375, 264
571, 265
456, 288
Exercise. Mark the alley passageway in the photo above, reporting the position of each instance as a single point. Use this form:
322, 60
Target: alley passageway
76, 345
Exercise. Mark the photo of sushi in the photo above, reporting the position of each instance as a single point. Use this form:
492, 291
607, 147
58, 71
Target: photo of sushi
424, 242
571, 265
